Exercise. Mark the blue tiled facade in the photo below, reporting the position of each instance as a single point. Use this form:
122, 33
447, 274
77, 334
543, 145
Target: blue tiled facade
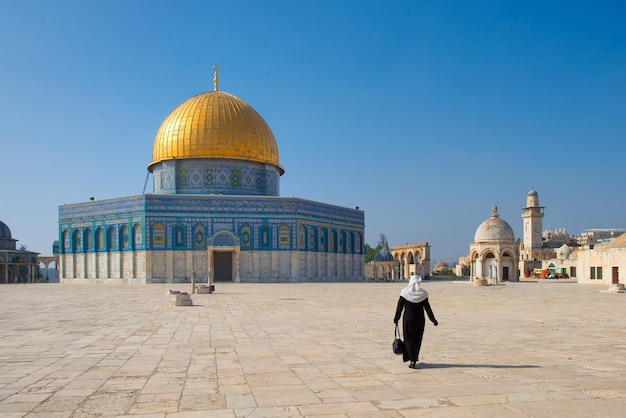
186, 223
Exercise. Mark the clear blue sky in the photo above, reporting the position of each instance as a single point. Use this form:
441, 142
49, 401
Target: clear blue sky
422, 113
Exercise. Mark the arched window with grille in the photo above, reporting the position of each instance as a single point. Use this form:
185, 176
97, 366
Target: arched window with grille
137, 237
284, 236
179, 236
111, 241
158, 235
199, 237
124, 238
87, 239
99, 239
302, 237
246, 237
265, 237
312, 246
77, 245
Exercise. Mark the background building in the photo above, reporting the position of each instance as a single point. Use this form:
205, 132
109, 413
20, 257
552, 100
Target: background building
412, 259
494, 254
594, 256
16, 265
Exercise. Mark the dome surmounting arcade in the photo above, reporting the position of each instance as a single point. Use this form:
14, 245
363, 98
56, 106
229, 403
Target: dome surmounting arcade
215, 143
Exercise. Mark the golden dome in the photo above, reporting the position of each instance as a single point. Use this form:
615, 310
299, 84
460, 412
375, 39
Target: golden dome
215, 124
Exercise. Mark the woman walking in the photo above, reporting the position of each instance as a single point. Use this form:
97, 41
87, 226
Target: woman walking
414, 301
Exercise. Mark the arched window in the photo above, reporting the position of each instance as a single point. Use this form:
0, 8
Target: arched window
245, 236
137, 237
124, 238
158, 235
342, 242
323, 241
350, 247
312, 239
265, 237
87, 239
77, 244
199, 237
302, 237
179, 236
284, 236
66, 242
411, 260
111, 242
99, 239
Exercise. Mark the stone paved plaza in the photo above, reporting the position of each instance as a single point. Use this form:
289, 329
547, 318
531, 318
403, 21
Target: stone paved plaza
538, 349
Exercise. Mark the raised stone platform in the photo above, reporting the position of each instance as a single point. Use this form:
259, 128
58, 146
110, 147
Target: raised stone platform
180, 298
204, 289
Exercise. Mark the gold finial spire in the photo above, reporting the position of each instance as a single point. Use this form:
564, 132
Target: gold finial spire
216, 68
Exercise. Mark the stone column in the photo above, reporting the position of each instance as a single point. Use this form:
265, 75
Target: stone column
210, 266
236, 277
479, 268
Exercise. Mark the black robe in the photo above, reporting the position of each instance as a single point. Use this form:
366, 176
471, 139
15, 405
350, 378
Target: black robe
413, 325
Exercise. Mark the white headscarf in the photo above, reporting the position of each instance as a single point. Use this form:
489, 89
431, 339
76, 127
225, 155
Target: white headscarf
413, 292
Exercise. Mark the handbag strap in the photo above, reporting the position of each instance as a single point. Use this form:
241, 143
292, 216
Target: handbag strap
397, 331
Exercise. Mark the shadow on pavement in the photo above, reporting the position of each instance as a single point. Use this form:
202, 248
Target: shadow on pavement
461, 366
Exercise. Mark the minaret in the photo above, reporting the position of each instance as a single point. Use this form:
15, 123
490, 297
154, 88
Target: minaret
532, 215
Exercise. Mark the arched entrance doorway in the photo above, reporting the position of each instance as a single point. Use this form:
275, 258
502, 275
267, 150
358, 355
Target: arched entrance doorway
223, 257
223, 266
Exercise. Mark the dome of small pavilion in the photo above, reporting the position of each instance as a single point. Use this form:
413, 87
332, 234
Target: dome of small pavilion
5, 232
564, 251
440, 265
6, 241
494, 229
383, 255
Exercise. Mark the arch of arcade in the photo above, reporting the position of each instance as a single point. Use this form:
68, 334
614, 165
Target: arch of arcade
412, 259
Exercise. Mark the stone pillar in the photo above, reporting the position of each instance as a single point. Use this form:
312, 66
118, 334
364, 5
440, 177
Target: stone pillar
479, 268
169, 266
210, 272
236, 277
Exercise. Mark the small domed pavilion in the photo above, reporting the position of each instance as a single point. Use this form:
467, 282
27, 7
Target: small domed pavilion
494, 254
16, 265
385, 267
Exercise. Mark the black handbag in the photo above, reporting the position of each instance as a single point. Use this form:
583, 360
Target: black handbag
398, 344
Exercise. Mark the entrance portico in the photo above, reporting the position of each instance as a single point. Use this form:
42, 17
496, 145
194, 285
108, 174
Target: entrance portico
223, 257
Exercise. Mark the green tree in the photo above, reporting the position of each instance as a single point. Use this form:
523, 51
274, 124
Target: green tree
370, 252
